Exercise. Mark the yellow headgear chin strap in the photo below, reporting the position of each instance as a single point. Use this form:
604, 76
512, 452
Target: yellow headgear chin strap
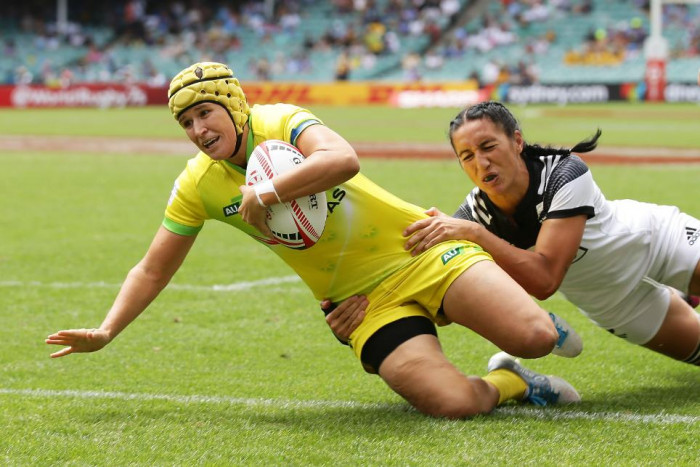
210, 82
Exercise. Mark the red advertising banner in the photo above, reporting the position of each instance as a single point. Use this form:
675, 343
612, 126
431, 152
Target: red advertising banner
82, 95
456, 94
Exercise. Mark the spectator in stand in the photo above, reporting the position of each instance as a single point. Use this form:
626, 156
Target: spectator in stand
23, 76
490, 72
538, 11
411, 68
374, 37
261, 68
524, 74
434, 59
584, 8
342, 67
9, 49
475, 79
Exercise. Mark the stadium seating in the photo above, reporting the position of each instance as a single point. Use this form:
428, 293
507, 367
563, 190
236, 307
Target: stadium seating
544, 41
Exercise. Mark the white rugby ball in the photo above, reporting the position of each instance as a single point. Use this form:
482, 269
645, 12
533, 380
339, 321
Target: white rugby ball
298, 223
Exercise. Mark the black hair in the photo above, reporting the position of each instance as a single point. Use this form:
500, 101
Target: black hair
506, 121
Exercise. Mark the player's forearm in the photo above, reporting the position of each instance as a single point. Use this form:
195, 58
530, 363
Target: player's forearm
138, 291
527, 268
321, 171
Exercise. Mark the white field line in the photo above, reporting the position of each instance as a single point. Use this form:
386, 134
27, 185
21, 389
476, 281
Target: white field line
652, 419
536, 413
235, 287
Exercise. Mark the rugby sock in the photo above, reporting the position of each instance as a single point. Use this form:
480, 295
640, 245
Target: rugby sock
694, 358
509, 384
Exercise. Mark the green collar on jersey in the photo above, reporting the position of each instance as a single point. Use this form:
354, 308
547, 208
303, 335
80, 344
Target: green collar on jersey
248, 149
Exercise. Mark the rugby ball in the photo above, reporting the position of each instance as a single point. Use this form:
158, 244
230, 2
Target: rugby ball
295, 224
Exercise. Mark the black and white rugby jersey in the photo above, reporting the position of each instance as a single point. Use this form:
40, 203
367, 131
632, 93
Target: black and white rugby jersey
618, 245
558, 189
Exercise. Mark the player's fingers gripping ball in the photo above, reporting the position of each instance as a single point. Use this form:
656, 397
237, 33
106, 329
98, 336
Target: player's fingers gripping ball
209, 82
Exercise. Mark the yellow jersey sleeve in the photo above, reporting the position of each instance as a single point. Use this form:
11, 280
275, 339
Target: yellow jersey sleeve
185, 213
280, 121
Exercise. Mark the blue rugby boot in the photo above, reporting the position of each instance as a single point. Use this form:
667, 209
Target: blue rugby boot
569, 343
541, 389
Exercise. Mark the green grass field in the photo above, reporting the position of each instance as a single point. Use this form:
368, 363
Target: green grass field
672, 125
223, 369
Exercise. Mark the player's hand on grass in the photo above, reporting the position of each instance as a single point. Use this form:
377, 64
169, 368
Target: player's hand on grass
78, 340
439, 227
251, 211
346, 317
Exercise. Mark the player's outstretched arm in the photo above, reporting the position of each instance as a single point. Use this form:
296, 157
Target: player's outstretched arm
143, 283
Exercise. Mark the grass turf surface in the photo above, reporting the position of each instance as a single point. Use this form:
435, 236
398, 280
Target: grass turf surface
644, 125
253, 376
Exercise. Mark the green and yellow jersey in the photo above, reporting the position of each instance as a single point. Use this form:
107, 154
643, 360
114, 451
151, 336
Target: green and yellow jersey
362, 243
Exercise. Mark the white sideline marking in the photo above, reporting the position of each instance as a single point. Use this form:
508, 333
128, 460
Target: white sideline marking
542, 414
192, 399
236, 286
660, 418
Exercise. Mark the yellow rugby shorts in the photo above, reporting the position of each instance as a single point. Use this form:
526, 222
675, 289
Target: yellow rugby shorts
416, 289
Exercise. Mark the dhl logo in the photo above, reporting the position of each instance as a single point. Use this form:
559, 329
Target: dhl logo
271, 94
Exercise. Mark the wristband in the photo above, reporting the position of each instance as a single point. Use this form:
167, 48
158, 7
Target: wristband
265, 187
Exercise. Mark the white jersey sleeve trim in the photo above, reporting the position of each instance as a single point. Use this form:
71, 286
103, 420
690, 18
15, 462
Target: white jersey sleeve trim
576, 197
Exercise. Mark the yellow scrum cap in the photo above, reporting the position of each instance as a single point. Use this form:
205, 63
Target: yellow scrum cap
209, 82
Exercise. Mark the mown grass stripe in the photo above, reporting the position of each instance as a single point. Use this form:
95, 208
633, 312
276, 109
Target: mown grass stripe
519, 411
234, 287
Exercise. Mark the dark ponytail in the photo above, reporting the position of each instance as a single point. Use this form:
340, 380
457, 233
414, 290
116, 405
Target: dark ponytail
588, 145
535, 151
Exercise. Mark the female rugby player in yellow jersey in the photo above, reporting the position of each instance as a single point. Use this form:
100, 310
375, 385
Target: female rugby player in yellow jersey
360, 252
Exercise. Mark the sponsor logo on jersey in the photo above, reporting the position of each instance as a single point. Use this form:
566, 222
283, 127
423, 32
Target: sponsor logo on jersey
451, 253
692, 235
580, 254
337, 197
456, 251
232, 209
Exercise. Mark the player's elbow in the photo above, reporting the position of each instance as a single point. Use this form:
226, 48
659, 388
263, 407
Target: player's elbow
350, 165
340, 163
145, 274
543, 282
544, 289
543, 294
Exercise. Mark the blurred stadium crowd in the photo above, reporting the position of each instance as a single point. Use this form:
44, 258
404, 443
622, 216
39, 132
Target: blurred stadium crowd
515, 41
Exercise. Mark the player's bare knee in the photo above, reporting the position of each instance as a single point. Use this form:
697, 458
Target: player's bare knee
536, 340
